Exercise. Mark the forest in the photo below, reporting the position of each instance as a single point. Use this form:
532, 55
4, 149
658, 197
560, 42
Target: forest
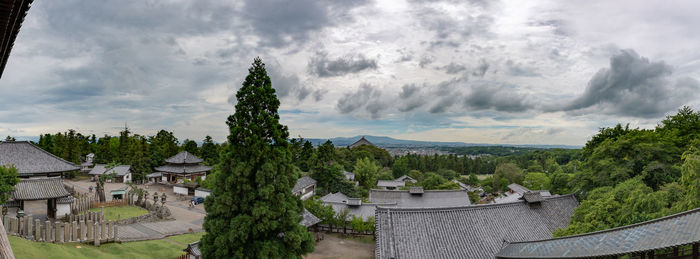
621, 176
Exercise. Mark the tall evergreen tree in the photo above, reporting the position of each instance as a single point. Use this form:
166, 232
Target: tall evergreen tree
209, 152
252, 212
190, 146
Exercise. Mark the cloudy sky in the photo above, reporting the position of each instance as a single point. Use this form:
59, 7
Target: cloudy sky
520, 72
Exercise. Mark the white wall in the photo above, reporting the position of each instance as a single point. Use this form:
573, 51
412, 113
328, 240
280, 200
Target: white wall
203, 194
163, 178
127, 178
180, 190
62, 209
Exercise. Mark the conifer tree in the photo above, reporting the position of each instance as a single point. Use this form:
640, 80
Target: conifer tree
252, 212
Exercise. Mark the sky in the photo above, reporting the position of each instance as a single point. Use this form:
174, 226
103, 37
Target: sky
500, 72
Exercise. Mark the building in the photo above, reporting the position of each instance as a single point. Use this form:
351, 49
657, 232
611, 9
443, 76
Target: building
416, 197
361, 142
87, 164
340, 202
390, 184
516, 191
181, 167
40, 173
406, 178
675, 236
476, 231
32, 161
305, 187
349, 175
192, 251
120, 173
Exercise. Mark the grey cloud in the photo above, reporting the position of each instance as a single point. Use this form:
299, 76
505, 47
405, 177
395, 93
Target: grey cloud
425, 60
444, 103
367, 97
453, 68
499, 97
323, 66
634, 86
282, 23
518, 69
481, 69
410, 98
452, 32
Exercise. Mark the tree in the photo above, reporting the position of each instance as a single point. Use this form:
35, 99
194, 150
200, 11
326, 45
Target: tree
8, 179
432, 181
209, 152
252, 212
191, 147
366, 172
473, 180
537, 181
100, 186
400, 167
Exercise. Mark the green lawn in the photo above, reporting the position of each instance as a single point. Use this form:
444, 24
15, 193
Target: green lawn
123, 212
187, 238
143, 249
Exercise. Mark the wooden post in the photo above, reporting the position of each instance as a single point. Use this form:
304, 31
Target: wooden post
96, 234
89, 229
59, 232
30, 234
47, 233
74, 227
37, 229
5, 248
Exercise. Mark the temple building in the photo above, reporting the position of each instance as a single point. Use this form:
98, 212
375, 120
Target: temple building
475, 231
183, 166
40, 175
361, 142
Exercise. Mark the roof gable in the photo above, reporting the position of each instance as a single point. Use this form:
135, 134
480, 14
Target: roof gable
30, 159
361, 142
302, 183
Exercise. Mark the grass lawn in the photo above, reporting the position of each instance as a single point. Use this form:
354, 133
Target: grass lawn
187, 238
143, 249
123, 212
483, 176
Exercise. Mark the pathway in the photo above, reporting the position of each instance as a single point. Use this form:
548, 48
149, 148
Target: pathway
156, 230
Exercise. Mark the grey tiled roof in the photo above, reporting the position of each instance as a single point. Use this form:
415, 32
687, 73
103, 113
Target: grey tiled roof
152, 175
183, 157
518, 188
335, 197
302, 183
183, 168
675, 230
193, 249
361, 142
390, 183
309, 219
339, 202
406, 178
120, 170
531, 197
476, 231
348, 175
429, 198
39, 189
30, 159
65, 200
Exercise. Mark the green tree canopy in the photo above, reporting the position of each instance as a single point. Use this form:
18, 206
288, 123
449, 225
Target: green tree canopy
252, 212
8, 179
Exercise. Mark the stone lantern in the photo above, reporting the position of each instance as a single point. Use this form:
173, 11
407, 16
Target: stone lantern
155, 198
162, 199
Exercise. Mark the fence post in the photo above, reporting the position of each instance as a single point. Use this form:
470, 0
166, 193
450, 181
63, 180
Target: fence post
103, 233
89, 229
66, 232
116, 233
96, 235
59, 232
37, 233
74, 227
110, 230
29, 234
47, 232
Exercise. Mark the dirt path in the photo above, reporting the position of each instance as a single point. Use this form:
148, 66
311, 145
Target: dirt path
334, 247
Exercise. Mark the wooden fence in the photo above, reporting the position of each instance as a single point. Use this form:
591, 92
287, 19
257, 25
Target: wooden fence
112, 203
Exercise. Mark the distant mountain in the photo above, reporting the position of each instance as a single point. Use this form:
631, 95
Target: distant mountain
384, 141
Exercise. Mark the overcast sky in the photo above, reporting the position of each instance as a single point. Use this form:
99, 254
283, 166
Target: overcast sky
519, 72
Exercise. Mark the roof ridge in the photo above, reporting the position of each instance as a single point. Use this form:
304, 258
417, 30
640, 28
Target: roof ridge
472, 207
616, 228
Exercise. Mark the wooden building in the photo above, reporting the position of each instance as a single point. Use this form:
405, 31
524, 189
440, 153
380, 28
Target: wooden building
183, 166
